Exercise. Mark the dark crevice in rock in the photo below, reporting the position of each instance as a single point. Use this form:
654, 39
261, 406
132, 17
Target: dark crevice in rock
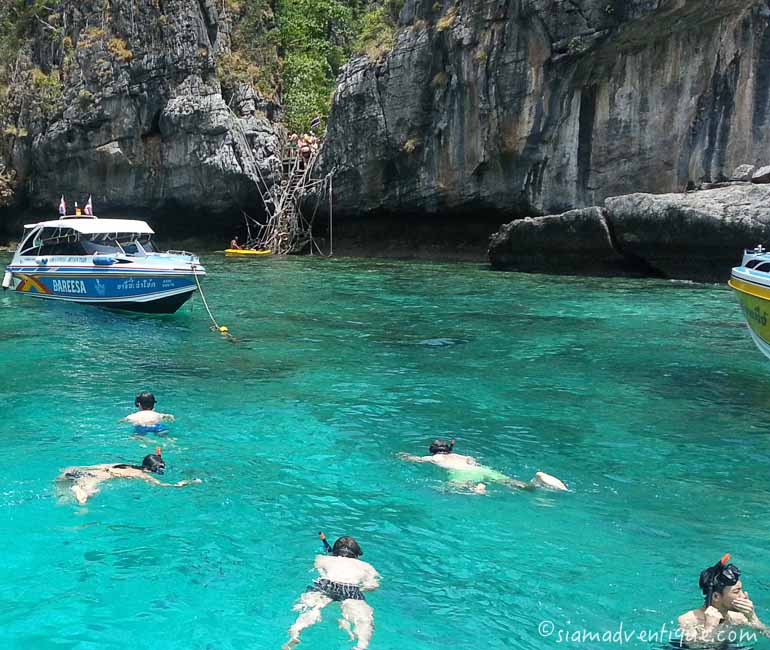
579, 10
761, 86
722, 103
212, 26
632, 263
585, 137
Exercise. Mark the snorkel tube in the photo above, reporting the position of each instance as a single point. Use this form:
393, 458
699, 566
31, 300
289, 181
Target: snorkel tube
327, 547
717, 577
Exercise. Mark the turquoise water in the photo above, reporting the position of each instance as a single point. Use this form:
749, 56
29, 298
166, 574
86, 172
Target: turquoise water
646, 397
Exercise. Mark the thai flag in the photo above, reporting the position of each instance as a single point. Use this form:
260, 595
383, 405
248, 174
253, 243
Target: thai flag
89, 209
62, 206
315, 122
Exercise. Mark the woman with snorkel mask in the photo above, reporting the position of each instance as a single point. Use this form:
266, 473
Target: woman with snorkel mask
725, 606
84, 481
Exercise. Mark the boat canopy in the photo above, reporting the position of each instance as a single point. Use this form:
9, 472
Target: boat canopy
92, 226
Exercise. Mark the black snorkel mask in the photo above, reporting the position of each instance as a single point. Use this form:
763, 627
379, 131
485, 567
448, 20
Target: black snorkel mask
154, 462
343, 547
442, 446
717, 577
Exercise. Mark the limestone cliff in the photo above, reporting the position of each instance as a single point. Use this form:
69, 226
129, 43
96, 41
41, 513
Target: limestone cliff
138, 117
516, 107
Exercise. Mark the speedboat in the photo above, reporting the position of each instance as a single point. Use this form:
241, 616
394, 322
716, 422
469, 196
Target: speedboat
104, 262
751, 282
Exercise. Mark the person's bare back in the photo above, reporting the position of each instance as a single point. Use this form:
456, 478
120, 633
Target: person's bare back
347, 570
147, 416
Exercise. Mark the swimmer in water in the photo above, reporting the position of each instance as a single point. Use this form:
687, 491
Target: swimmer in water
342, 578
465, 471
147, 419
85, 481
725, 606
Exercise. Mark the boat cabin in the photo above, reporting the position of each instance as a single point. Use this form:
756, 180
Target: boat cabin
86, 236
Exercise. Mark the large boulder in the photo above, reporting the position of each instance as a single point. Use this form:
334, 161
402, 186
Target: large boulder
578, 240
694, 235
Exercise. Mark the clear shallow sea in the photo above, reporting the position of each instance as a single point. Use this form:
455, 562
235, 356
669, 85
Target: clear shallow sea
647, 397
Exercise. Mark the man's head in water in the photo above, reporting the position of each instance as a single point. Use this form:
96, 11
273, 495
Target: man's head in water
347, 547
153, 463
440, 446
145, 401
721, 584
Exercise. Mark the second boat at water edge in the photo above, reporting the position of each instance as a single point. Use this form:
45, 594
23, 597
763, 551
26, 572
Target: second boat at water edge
751, 283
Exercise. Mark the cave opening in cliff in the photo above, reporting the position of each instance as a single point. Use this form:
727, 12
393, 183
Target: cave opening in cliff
451, 234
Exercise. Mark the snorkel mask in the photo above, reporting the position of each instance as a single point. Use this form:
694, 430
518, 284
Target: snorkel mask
347, 547
154, 462
716, 578
440, 446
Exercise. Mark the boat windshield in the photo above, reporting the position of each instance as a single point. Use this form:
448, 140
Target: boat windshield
66, 241
53, 241
131, 244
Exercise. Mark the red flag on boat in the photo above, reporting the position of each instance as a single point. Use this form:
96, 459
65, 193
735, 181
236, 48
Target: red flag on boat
62, 206
89, 209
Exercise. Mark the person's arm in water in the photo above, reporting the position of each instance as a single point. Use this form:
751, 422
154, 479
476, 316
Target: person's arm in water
414, 459
154, 481
166, 417
371, 579
144, 476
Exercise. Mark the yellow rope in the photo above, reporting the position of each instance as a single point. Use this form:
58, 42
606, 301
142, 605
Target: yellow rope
216, 327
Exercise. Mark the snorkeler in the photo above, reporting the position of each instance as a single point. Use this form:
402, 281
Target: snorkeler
343, 577
725, 605
85, 480
147, 419
465, 471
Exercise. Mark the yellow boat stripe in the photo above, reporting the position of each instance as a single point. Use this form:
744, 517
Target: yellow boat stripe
750, 288
29, 282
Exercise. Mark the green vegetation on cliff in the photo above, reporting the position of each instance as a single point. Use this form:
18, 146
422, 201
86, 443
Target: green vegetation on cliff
293, 49
28, 94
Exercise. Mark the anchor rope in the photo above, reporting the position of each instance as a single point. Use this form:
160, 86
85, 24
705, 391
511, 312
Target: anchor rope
215, 327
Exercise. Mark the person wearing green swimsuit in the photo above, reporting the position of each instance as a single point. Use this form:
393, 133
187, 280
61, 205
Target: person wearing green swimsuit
465, 471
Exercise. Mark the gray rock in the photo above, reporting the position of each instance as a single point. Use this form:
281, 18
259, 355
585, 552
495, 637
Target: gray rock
576, 241
743, 173
695, 236
761, 175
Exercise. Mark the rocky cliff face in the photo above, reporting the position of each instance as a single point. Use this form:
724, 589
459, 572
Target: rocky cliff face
516, 107
141, 122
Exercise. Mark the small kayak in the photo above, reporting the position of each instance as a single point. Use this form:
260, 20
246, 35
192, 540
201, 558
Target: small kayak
232, 252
